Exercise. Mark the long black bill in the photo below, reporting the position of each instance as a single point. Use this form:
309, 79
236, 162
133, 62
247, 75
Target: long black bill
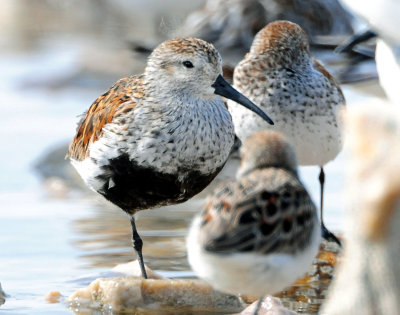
224, 89
354, 40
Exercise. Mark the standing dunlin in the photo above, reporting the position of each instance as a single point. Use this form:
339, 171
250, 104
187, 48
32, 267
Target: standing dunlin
257, 235
159, 138
280, 75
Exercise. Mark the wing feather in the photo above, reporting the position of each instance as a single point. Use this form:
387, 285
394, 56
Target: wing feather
120, 98
273, 211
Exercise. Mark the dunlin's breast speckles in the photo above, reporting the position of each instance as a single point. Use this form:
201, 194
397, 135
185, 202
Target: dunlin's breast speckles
280, 75
258, 234
302, 97
159, 138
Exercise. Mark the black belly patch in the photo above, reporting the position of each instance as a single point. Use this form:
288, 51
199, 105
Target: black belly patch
133, 187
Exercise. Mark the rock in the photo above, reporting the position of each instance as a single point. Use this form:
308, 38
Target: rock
57, 173
130, 292
308, 292
53, 297
2, 295
269, 306
126, 294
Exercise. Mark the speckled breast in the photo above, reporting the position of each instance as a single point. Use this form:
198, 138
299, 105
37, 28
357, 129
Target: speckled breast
168, 160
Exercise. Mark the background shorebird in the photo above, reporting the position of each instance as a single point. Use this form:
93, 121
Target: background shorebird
159, 138
303, 98
231, 24
367, 281
383, 18
258, 234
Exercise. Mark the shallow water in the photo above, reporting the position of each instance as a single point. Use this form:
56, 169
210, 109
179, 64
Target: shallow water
54, 237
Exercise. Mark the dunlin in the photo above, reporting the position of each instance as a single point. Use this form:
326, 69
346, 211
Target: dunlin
280, 75
258, 234
232, 24
383, 18
367, 281
159, 138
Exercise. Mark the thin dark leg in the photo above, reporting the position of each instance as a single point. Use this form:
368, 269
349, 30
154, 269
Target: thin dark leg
326, 234
258, 306
321, 179
137, 245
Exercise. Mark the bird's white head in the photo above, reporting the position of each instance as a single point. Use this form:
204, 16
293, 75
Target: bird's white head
187, 65
191, 68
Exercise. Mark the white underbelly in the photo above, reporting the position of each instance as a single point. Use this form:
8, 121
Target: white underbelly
253, 274
317, 139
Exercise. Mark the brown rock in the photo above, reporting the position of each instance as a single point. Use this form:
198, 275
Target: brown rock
124, 294
53, 297
269, 306
2, 295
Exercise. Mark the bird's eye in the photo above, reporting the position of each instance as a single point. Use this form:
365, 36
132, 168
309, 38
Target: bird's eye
188, 64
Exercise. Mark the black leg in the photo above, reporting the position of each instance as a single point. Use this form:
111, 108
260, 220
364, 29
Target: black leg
258, 306
326, 234
137, 245
321, 179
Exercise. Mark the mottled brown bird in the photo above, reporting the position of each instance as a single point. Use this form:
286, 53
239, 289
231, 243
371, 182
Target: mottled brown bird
304, 99
159, 138
258, 234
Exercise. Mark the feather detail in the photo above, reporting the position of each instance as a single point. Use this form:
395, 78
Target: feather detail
120, 98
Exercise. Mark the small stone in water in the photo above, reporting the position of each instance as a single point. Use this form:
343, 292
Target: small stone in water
53, 297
